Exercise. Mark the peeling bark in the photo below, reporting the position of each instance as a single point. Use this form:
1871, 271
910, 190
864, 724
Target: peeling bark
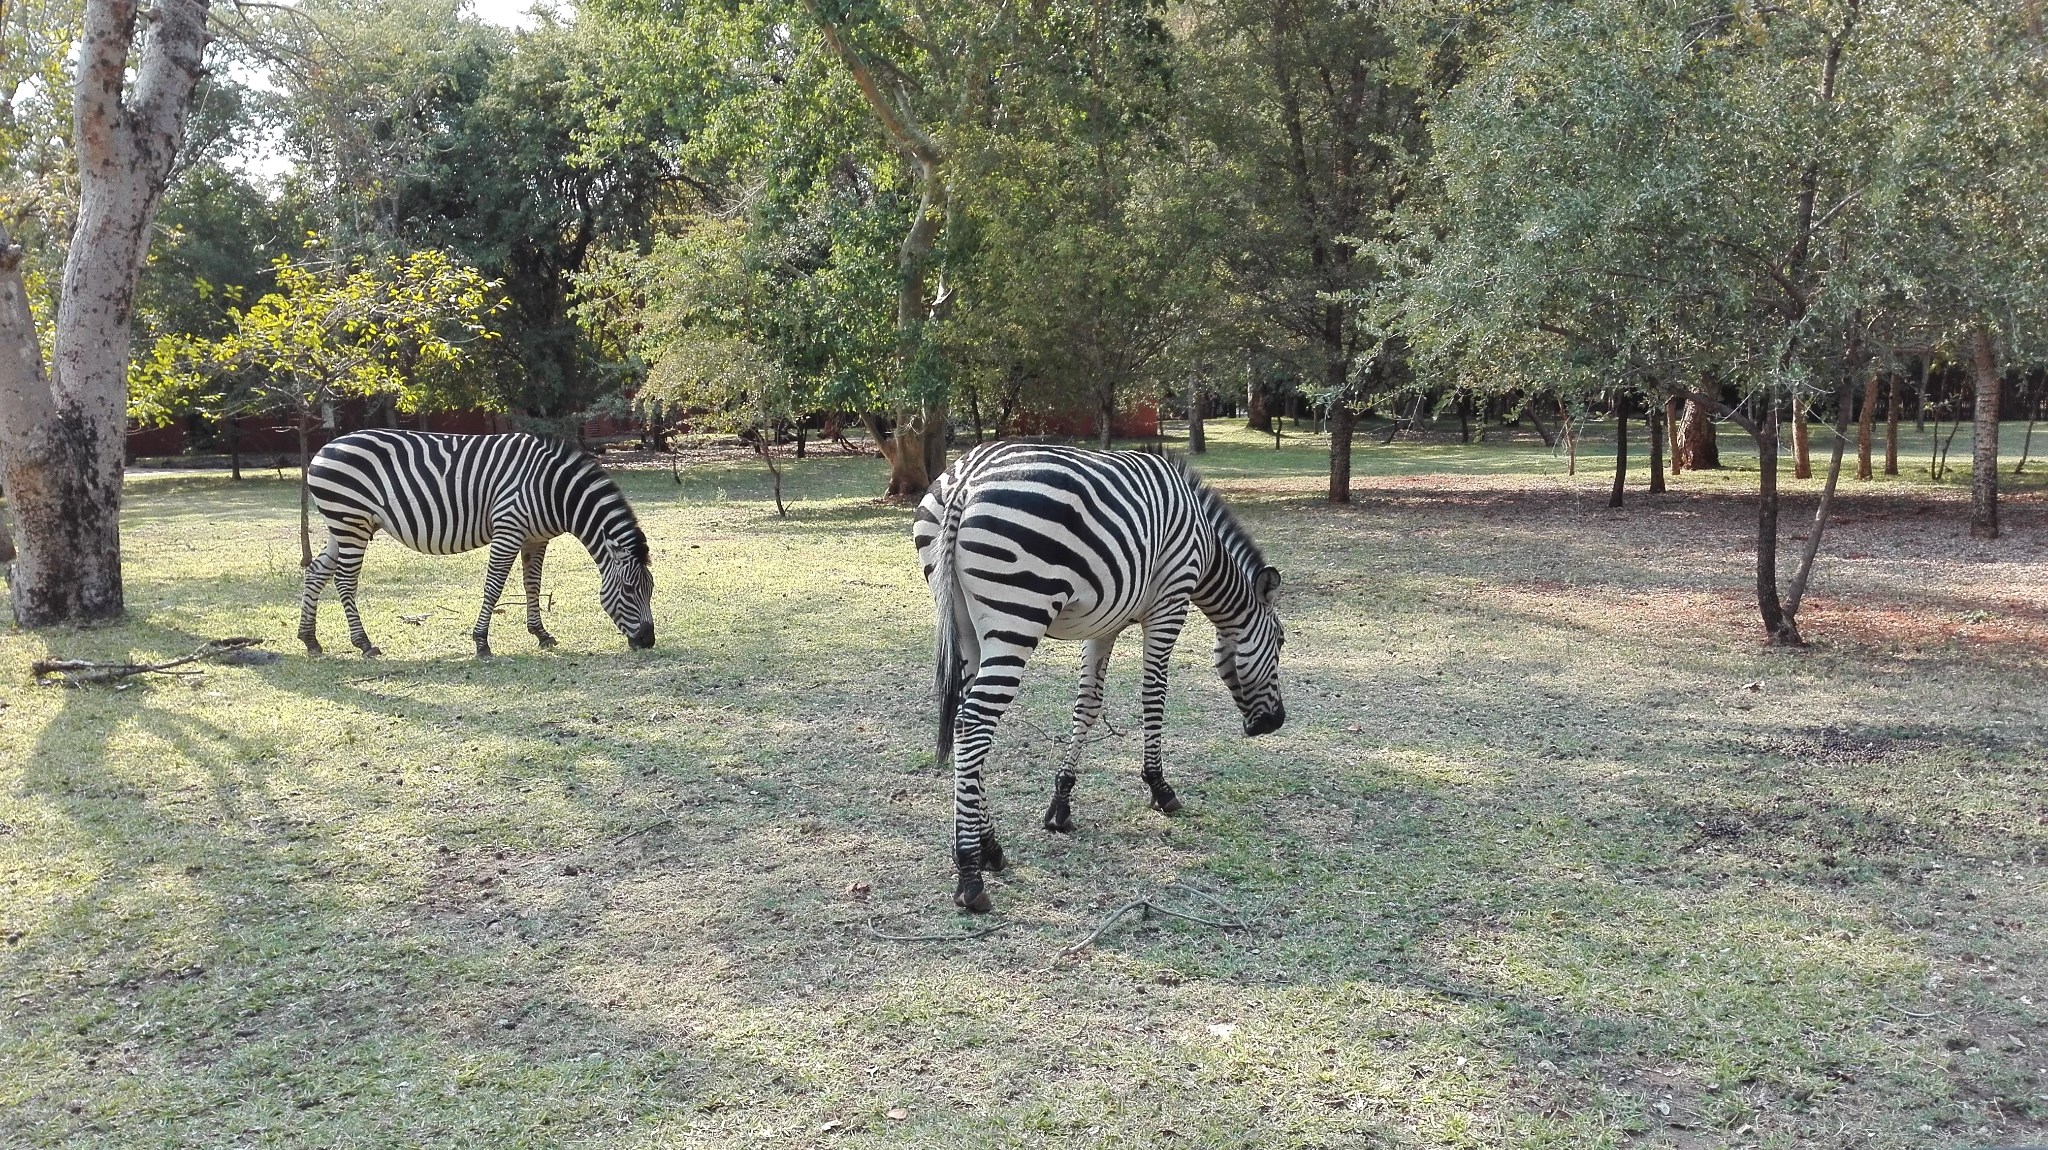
62, 433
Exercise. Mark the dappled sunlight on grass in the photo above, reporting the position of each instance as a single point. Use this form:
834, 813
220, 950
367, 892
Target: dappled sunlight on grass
1551, 851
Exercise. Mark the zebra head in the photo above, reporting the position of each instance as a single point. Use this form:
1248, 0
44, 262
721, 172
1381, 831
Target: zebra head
1248, 640
626, 588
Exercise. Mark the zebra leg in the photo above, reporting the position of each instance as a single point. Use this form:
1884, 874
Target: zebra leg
530, 557
348, 567
503, 550
1087, 709
1161, 631
988, 696
317, 575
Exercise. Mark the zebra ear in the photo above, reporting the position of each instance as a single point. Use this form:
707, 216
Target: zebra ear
1267, 583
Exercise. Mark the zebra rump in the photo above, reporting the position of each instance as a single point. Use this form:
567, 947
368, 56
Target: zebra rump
1021, 542
443, 494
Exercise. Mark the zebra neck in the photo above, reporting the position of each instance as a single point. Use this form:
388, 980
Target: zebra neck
598, 515
1224, 589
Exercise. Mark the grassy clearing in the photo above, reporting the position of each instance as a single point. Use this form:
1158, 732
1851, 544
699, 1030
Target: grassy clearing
1551, 853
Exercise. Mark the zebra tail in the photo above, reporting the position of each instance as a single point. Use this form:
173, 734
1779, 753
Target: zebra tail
956, 640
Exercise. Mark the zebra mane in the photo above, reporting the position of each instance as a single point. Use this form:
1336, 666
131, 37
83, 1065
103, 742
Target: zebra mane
1235, 539
618, 510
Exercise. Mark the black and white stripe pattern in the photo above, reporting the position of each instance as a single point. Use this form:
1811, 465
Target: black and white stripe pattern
442, 494
1024, 541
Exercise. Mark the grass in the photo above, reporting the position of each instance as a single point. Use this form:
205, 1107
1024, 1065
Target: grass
1551, 852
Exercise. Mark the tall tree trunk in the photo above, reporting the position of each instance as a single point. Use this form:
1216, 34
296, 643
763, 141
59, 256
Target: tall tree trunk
234, 430
1788, 633
1920, 408
1984, 460
1464, 416
1258, 415
1568, 428
1536, 421
63, 434
1671, 426
920, 435
1891, 424
1699, 447
1864, 420
1343, 423
1802, 459
305, 422
1768, 604
1198, 438
1620, 450
1654, 413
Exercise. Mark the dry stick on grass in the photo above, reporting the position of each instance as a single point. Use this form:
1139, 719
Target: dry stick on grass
1146, 908
85, 672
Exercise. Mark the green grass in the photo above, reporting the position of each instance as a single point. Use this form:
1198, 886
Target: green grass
1550, 854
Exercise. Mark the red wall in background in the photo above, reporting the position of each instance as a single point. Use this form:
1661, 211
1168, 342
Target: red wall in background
1140, 422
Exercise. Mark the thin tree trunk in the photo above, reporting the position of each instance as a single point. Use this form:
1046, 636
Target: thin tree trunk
234, 429
1671, 422
1891, 424
1620, 450
63, 434
1802, 461
1570, 430
1768, 604
1654, 413
1920, 408
2033, 416
1198, 439
1788, 634
1984, 461
305, 493
1535, 420
1464, 416
1864, 420
764, 444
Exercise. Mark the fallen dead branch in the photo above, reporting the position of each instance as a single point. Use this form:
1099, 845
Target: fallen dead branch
86, 672
1146, 908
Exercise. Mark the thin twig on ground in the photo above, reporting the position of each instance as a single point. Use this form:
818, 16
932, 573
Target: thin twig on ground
86, 672
1911, 1013
653, 826
1146, 908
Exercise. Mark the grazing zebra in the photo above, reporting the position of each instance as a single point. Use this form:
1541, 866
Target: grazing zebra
1023, 541
441, 494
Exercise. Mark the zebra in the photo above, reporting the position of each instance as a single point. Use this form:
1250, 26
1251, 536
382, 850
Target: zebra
1023, 541
443, 494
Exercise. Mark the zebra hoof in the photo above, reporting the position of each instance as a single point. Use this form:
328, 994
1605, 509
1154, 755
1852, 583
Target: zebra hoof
312, 645
547, 641
372, 651
991, 852
1165, 801
1058, 819
973, 898
483, 649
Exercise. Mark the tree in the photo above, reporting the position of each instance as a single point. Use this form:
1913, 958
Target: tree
1319, 105
1686, 185
406, 328
62, 432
